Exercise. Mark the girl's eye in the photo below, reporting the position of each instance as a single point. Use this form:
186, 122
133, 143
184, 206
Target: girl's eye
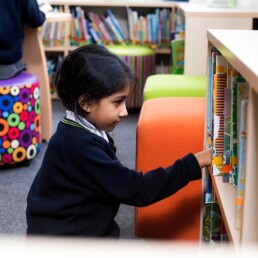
118, 102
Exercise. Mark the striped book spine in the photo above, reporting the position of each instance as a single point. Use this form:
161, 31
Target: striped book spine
220, 83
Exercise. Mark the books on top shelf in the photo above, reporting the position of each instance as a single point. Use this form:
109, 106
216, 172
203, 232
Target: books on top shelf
152, 30
53, 33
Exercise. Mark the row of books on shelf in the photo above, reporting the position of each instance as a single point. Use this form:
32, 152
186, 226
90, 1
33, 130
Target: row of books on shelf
213, 227
53, 64
53, 33
226, 124
85, 28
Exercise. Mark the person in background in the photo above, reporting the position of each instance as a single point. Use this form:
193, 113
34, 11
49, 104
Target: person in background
81, 183
14, 14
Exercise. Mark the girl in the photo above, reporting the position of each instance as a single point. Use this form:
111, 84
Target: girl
81, 183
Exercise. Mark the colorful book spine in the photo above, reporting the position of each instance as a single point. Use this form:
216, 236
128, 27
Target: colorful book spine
116, 24
130, 23
239, 93
220, 83
114, 30
178, 50
233, 76
97, 39
227, 127
226, 168
241, 164
212, 60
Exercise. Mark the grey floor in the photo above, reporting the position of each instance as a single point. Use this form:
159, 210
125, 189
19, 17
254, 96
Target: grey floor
15, 182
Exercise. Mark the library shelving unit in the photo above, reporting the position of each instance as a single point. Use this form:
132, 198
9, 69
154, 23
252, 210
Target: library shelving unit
230, 43
198, 18
119, 10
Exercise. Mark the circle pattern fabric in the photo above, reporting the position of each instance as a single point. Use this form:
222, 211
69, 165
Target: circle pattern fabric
19, 122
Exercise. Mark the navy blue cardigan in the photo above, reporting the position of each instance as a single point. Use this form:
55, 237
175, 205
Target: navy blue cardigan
13, 14
81, 183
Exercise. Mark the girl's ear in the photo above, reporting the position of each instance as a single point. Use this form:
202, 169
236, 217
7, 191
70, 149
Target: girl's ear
84, 103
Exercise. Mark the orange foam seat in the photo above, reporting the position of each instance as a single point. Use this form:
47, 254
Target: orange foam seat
168, 129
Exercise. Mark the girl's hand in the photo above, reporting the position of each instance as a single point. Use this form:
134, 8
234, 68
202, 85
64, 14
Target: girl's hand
204, 158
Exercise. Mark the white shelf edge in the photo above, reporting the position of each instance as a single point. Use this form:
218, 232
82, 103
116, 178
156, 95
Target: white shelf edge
231, 47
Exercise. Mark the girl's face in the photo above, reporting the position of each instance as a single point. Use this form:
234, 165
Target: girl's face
108, 112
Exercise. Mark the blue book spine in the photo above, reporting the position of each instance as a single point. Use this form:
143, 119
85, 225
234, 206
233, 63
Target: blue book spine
116, 24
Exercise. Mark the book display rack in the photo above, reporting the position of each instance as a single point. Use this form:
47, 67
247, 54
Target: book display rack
232, 130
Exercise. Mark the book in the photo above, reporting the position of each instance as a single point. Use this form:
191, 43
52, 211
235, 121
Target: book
95, 36
130, 23
220, 83
82, 40
226, 168
215, 223
219, 86
116, 35
206, 222
212, 62
239, 93
233, 76
241, 164
116, 24
177, 46
107, 39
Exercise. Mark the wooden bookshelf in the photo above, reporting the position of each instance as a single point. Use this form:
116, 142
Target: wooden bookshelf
198, 19
120, 9
163, 58
244, 60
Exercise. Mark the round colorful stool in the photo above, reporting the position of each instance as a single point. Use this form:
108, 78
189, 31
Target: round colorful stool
141, 60
19, 118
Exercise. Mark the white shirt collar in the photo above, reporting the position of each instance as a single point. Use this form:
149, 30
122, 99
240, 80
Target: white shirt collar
86, 124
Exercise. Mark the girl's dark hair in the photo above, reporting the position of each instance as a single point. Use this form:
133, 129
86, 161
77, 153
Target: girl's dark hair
93, 72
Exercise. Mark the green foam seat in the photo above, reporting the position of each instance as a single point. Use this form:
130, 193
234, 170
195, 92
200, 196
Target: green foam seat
174, 85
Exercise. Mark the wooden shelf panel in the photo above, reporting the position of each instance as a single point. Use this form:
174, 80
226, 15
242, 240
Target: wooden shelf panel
105, 3
58, 17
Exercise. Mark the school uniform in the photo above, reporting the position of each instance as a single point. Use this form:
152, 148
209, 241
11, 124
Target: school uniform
81, 183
